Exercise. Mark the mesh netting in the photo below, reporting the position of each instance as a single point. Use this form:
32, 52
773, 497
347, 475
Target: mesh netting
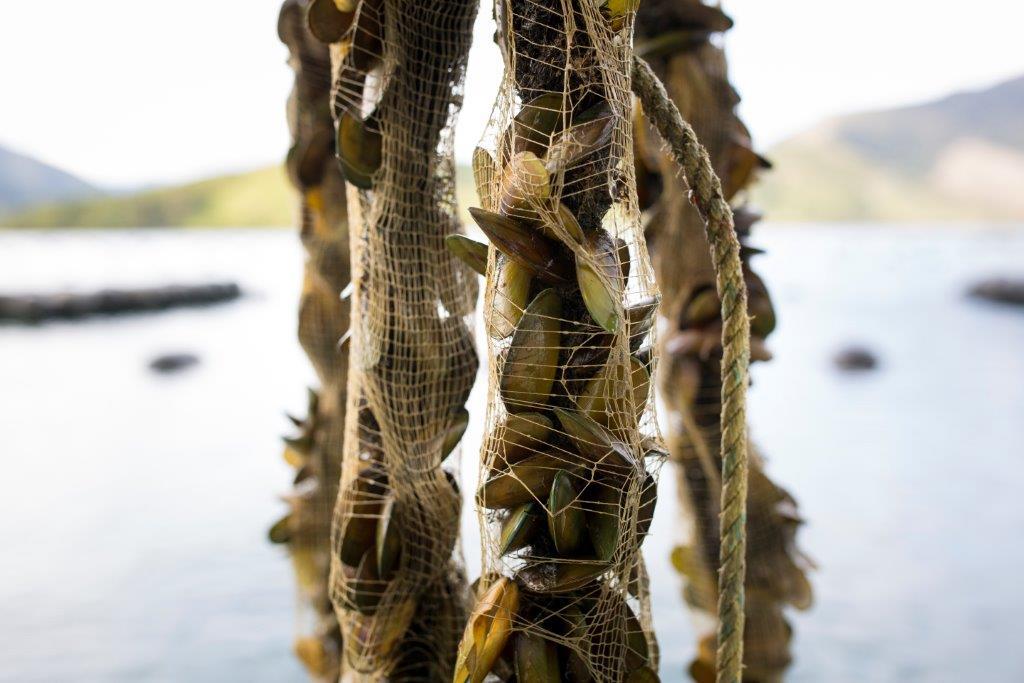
571, 454
673, 36
316, 452
396, 582
571, 449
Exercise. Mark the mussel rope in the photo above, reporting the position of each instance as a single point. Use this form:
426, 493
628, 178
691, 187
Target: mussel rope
706, 195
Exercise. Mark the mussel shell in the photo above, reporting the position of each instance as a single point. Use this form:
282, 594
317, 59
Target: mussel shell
470, 252
487, 632
281, 531
455, 432
359, 528
594, 442
326, 21
364, 589
522, 435
599, 402
566, 521
389, 541
519, 528
528, 372
511, 292
525, 244
536, 122
536, 659
359, 150
526, 481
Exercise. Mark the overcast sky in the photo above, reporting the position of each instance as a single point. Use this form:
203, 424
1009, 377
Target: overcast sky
127, 93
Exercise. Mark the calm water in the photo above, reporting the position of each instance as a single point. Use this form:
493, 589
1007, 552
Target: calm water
134, 506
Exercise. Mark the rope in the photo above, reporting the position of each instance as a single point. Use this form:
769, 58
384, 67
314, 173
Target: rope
706, 196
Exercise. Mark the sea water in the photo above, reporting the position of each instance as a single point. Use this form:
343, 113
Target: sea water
134, 507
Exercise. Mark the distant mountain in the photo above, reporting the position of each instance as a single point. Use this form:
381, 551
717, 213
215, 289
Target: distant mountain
258, 198
961, 157
25, 181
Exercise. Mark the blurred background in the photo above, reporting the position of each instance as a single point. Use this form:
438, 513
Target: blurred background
141, 147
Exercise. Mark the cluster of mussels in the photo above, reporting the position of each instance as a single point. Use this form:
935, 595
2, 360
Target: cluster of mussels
355, 28
674, 36
399, 593
565, 481
316, 453
371, 541
306, 532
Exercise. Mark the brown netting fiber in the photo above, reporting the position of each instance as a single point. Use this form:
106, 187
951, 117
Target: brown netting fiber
316, 451
675, 37
571, 452
396, 580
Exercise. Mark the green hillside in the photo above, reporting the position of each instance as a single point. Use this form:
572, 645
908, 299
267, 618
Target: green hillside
958, 158
259, 198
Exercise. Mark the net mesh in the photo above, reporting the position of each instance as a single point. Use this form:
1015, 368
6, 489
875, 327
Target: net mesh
571, 450
396, 579
676, 38
316, 451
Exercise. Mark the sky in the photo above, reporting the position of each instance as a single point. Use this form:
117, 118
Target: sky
128, 94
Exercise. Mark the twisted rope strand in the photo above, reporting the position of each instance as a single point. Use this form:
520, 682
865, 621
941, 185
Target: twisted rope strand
706, 195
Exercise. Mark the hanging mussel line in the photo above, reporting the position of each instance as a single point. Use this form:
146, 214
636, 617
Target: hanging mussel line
316, 452
399, 593
674, 36
568, 487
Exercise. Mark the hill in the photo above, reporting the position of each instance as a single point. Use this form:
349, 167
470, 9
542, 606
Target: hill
957, 158
960, 157
25, 181
258, 198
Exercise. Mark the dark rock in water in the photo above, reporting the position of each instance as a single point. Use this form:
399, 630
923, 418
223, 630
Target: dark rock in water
856, 359
37, 308
173, 362
1000, 290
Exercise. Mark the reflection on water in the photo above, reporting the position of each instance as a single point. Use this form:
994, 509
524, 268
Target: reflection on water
135, 506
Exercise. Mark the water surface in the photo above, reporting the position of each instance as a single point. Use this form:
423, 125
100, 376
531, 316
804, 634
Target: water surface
135, 505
